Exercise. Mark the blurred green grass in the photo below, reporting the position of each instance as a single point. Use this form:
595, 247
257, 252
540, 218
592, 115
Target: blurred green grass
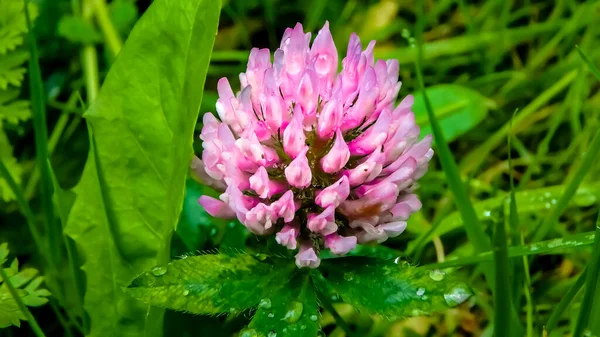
498, 55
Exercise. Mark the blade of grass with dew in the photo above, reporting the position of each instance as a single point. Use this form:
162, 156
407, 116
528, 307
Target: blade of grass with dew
473, 227
528, 290
543, 247
588, 160
502, 296
591, 297
474, 230
513, 220
478, 155
565, 301
38, 109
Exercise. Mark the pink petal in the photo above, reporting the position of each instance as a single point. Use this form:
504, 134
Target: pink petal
307, 257
216, 207
287, 236
337, 157
298, 173
334, 194
340, 245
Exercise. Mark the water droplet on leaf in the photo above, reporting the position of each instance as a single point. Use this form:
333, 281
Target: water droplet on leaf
265, 303
271, 315
159, 271
457, 295
272, 334
437, 275
303, 327
313, 318
348, 276
420, 291
294, 312
186, 292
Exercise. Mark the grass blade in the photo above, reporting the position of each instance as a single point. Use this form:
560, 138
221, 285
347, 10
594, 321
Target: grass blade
25, 209
537, 248
593, 68
565, 301
588, 160
474, 230
38, 109
590, 296
502, 296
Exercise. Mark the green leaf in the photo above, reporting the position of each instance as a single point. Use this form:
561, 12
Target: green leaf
77, 30
290, 310
27, 283
12, 24
211, 284
195, 225
12, 110
11, 71
123, 14
129, 198
458, 109
393, 290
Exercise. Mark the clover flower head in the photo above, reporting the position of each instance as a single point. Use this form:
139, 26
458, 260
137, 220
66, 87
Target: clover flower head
319, 158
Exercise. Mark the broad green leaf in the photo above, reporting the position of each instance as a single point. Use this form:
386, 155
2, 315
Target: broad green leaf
211, 284
393, 290
27, 283
289, 310
458, 109
77, 30
129, 198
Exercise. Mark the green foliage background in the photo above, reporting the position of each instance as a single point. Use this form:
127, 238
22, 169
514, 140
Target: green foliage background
126, 202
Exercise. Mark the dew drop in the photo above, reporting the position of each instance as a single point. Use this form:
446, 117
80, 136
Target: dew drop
159, 271
397, 260
294, 312
272, 334
186, 292
213, 232
184, 256
348, 276
313, 318
437, 275
420, 291
334, 297
303, 327
265, 303
457, 295
271, 315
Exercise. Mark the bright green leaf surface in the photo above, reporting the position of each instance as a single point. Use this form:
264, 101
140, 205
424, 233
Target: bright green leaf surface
458, 109
393, 290
211, 284
290, 310
130, 195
